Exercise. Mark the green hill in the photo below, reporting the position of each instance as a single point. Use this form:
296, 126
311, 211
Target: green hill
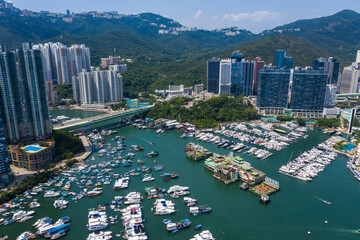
160, 60
147, 75
339, 34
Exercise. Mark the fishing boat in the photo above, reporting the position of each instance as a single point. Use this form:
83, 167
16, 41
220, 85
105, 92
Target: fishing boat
168, 176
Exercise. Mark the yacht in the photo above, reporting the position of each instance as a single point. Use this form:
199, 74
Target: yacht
26, 236
204, 235
99, 235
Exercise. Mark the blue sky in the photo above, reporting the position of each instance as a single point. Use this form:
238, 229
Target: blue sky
253, 15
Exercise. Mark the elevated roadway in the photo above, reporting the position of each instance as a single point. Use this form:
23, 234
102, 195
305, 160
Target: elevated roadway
93, 121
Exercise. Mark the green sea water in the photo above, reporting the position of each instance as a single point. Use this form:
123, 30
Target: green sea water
74, 113
236, 214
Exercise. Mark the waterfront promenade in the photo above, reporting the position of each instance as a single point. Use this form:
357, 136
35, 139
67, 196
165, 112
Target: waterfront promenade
88, 150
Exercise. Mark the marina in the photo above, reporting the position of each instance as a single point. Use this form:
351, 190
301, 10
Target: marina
221, 198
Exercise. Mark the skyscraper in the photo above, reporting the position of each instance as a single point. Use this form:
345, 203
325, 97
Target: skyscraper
213, 74
5, 171
242, 75
282, 61
350, 79
302, 91
330, 95
308, 89
225, 77
23, 100
357, 56
279, 58
258, 65
331, 66
273, 88
61, 63
100, 87
288, 62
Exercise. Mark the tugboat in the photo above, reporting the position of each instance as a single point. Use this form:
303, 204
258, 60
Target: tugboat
265, 199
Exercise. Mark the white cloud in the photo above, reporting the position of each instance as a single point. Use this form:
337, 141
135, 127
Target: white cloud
259, 16
198, 14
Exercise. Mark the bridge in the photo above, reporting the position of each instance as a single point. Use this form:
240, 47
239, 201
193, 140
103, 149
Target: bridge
97, 121
348, 95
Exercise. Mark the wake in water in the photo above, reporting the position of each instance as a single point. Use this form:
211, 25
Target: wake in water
150, 143
322, 200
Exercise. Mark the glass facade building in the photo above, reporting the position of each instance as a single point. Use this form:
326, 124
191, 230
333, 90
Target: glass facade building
282, 61
288, 62
279, 58
213, 74
242, 78
331, 66
308, 90
5, 171
225, 77
258, 65
298, 90
273, 88
23, 98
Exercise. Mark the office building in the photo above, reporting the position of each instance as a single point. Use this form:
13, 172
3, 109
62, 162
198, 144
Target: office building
225, 77
279, 58
5, 171
258, 65
213, 74
61, 63
99, 87
273, 88
282, 61
32, 157
242, 75
288, 62
23, 101
331, 66
350, 79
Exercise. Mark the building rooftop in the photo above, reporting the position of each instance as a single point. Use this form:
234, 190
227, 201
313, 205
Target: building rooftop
34, 148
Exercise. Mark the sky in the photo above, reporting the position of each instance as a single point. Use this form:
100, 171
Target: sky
253, 15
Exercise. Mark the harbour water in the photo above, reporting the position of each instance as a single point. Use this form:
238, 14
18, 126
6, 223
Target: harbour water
74, 113
297, 209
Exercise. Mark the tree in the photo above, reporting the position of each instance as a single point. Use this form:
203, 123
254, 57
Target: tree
301, 122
